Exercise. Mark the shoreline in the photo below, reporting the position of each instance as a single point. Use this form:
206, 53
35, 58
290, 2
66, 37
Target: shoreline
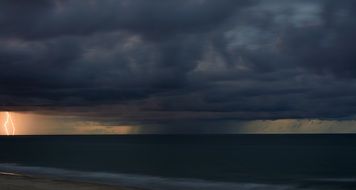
16, 181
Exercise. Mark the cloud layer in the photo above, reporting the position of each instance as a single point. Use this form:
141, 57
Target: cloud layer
138, 61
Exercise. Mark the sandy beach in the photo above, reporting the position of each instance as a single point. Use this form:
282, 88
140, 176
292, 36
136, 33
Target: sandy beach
19, 182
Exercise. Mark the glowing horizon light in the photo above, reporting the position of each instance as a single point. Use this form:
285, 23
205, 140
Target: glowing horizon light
7, 121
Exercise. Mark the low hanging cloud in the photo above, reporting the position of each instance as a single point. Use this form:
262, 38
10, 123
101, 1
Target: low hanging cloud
144, 62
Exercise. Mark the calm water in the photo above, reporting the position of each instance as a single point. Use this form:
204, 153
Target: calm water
189, 161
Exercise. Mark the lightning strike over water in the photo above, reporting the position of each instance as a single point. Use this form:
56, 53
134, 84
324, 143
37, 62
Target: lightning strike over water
8, 121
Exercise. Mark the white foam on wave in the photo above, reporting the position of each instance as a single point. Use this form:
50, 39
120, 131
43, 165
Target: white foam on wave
139, 181
346, 180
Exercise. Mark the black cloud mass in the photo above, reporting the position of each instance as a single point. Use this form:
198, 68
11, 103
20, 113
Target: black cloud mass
167, 60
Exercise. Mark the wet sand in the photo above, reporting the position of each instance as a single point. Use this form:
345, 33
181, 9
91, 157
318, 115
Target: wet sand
10, 181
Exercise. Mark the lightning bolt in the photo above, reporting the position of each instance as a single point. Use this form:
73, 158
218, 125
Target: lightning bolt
8, 121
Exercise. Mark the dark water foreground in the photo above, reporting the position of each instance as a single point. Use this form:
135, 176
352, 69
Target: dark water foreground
175, 162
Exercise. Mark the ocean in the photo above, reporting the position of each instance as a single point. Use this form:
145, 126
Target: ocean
188, 162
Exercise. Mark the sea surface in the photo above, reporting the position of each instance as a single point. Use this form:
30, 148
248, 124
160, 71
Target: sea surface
189, 162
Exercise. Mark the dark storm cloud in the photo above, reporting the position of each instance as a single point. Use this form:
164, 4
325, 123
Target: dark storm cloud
151, 61
46, 19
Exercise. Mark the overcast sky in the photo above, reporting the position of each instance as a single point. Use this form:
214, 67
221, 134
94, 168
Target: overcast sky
181, 65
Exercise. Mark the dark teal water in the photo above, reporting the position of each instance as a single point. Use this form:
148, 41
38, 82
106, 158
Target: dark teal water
303, 160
